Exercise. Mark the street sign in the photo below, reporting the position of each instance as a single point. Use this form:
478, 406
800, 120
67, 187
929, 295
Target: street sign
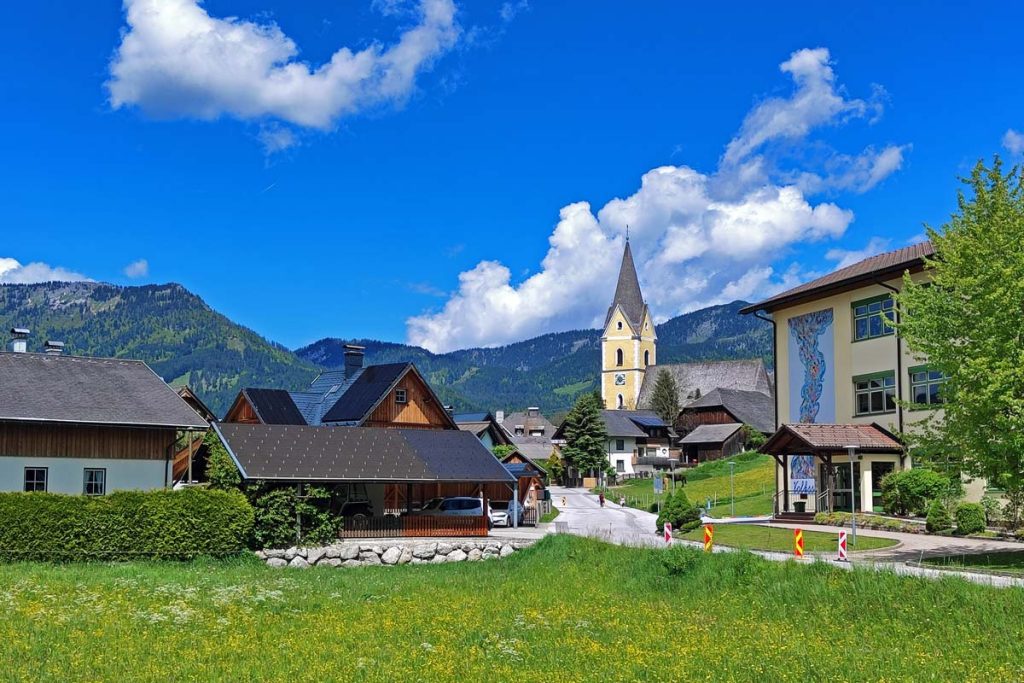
798, 542
709, 537
668, 532
842, 547
659, 484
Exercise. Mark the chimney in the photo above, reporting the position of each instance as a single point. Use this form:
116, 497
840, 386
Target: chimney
533, 411
353, 360
19, 340
499, 416
54, 348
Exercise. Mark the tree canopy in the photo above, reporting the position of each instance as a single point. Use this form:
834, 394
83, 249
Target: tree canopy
967, 318
586, 438
665, 398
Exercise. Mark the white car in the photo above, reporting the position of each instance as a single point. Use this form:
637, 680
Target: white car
500, 515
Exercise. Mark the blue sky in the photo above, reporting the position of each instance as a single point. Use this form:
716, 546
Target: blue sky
346, 201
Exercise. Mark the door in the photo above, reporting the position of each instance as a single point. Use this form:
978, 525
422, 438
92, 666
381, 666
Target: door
878, 471
841, 491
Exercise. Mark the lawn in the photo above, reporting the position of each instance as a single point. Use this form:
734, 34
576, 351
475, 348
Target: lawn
754, 483
570, 609
755, 537
1009, 562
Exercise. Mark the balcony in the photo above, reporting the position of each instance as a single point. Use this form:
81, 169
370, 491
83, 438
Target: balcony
672, 459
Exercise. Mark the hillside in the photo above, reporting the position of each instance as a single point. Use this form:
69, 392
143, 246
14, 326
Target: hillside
550, 371
173, 330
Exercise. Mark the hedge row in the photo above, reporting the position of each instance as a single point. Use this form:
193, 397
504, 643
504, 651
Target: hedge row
123, 525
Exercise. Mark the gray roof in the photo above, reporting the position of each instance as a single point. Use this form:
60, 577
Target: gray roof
100, 391
627, 292
746, 375
617, 423
749, 407
711, 433
274, 406
372, 384
298, 453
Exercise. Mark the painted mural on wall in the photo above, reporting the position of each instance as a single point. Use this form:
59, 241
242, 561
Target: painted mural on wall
811, 373
801, 473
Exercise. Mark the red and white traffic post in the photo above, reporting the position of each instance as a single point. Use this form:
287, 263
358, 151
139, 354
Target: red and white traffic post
668, 532
842, 547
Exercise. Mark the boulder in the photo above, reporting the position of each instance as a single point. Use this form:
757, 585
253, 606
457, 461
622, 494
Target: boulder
348, 552
351, 563
457, 556
291, 553
333, 552
467, 547
299, 562
439, 559
260, 554
417, 560
444, 548
273, 553
313, 555
425, 551
474, 555
371, 548
277, 562
369, 557
391, 555
506, 550
406, 556
329, 562
492, 550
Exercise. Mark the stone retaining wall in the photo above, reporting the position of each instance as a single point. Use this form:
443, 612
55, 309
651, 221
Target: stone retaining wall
391, 553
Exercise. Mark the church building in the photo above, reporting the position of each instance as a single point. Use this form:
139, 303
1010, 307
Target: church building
628, 343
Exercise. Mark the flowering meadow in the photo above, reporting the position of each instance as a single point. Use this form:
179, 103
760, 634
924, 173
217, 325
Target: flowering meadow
569, 609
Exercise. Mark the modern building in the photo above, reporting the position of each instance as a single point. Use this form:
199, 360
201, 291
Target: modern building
629, 342
840, 364
77, 425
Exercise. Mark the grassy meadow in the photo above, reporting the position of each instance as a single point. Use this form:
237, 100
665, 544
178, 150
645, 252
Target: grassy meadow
1009, 562
756, 537
570, 609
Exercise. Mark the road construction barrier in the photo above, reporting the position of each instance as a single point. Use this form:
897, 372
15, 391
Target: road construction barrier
709, 537
668, 532
842, 547
798, 542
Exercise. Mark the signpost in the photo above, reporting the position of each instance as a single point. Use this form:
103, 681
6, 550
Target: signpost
709, 537
842, 547
668, 532
659, 487
798, 542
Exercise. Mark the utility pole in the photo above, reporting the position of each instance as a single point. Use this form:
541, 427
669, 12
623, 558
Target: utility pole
732, 488
852, 452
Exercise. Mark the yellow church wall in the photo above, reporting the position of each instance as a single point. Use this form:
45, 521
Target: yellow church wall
620, 336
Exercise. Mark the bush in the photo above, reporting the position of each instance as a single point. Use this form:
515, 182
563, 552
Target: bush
681, 559
993, 510
910, 492
866, 521
123, 525
938, 517
276, 508
970, 518
677, 510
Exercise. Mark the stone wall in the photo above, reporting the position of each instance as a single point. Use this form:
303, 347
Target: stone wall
391, 553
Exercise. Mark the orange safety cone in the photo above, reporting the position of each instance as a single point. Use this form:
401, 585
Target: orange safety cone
709, 537
798, 542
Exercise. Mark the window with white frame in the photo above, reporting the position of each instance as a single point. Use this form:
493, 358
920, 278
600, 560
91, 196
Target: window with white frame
35, 478
875, 393
95, 481
873, 318
926, 386
401, 396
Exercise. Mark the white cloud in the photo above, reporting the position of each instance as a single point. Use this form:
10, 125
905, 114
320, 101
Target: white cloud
13, 272
137, 269
847, 257
509, 10
1014, 141
175, 60
698, 238
276, 139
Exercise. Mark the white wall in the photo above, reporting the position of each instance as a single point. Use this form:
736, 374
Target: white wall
67, 475
625, 455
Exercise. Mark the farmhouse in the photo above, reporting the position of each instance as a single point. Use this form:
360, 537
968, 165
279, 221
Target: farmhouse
484, 426
841, 365
529, 431
70, 424
712, 425
639, 442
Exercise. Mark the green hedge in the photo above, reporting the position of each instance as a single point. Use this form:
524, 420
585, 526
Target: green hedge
123, 525
970, 519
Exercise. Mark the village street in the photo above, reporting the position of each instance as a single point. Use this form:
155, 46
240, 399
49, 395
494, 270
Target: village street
584, 516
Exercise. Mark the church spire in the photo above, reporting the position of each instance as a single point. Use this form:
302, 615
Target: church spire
627, 291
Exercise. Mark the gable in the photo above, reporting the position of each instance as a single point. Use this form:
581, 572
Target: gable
410, 402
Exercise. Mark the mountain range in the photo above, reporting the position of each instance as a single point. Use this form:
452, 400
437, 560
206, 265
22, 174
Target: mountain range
187, 342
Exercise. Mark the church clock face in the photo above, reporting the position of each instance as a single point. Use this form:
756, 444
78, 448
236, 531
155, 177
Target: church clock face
620, 379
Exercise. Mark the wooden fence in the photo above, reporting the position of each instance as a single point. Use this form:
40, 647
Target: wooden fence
413, 525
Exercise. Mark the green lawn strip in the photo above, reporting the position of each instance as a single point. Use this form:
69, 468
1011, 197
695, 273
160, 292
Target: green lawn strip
550, 517
756, 537
569, 609
1006, 562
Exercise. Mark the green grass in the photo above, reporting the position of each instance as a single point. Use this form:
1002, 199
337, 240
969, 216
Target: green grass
1008, 562
754, 483
755, 537
550, 517
571, 609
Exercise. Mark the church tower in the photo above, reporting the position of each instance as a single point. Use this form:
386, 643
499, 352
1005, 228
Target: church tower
629, 340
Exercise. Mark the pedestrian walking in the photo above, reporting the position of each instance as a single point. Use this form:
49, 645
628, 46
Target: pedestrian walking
600, 498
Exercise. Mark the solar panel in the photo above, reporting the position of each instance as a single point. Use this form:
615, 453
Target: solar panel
648, 421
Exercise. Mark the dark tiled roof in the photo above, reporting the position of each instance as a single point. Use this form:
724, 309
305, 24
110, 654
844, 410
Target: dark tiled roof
372, 384
274, 406
471, 417
619, 423
749, 407
711, 433
298, 453
887, 265
706, 376
40, 387
796, 438
521, 470
627, 292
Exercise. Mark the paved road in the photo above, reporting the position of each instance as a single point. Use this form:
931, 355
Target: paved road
583, 513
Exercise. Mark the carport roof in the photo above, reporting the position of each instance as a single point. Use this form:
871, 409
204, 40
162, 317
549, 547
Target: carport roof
368, 454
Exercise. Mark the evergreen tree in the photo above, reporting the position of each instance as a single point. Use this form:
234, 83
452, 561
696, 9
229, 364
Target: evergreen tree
665, 399
586, 438
967, 319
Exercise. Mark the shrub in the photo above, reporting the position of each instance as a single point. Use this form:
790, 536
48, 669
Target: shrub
993, 510
677, 510
278, 510
681, 559
220, 468
911, 491
938, 517
124, 525
970, 518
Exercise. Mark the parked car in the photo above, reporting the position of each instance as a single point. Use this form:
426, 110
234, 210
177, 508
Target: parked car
428, 506
461, 506
501, 516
